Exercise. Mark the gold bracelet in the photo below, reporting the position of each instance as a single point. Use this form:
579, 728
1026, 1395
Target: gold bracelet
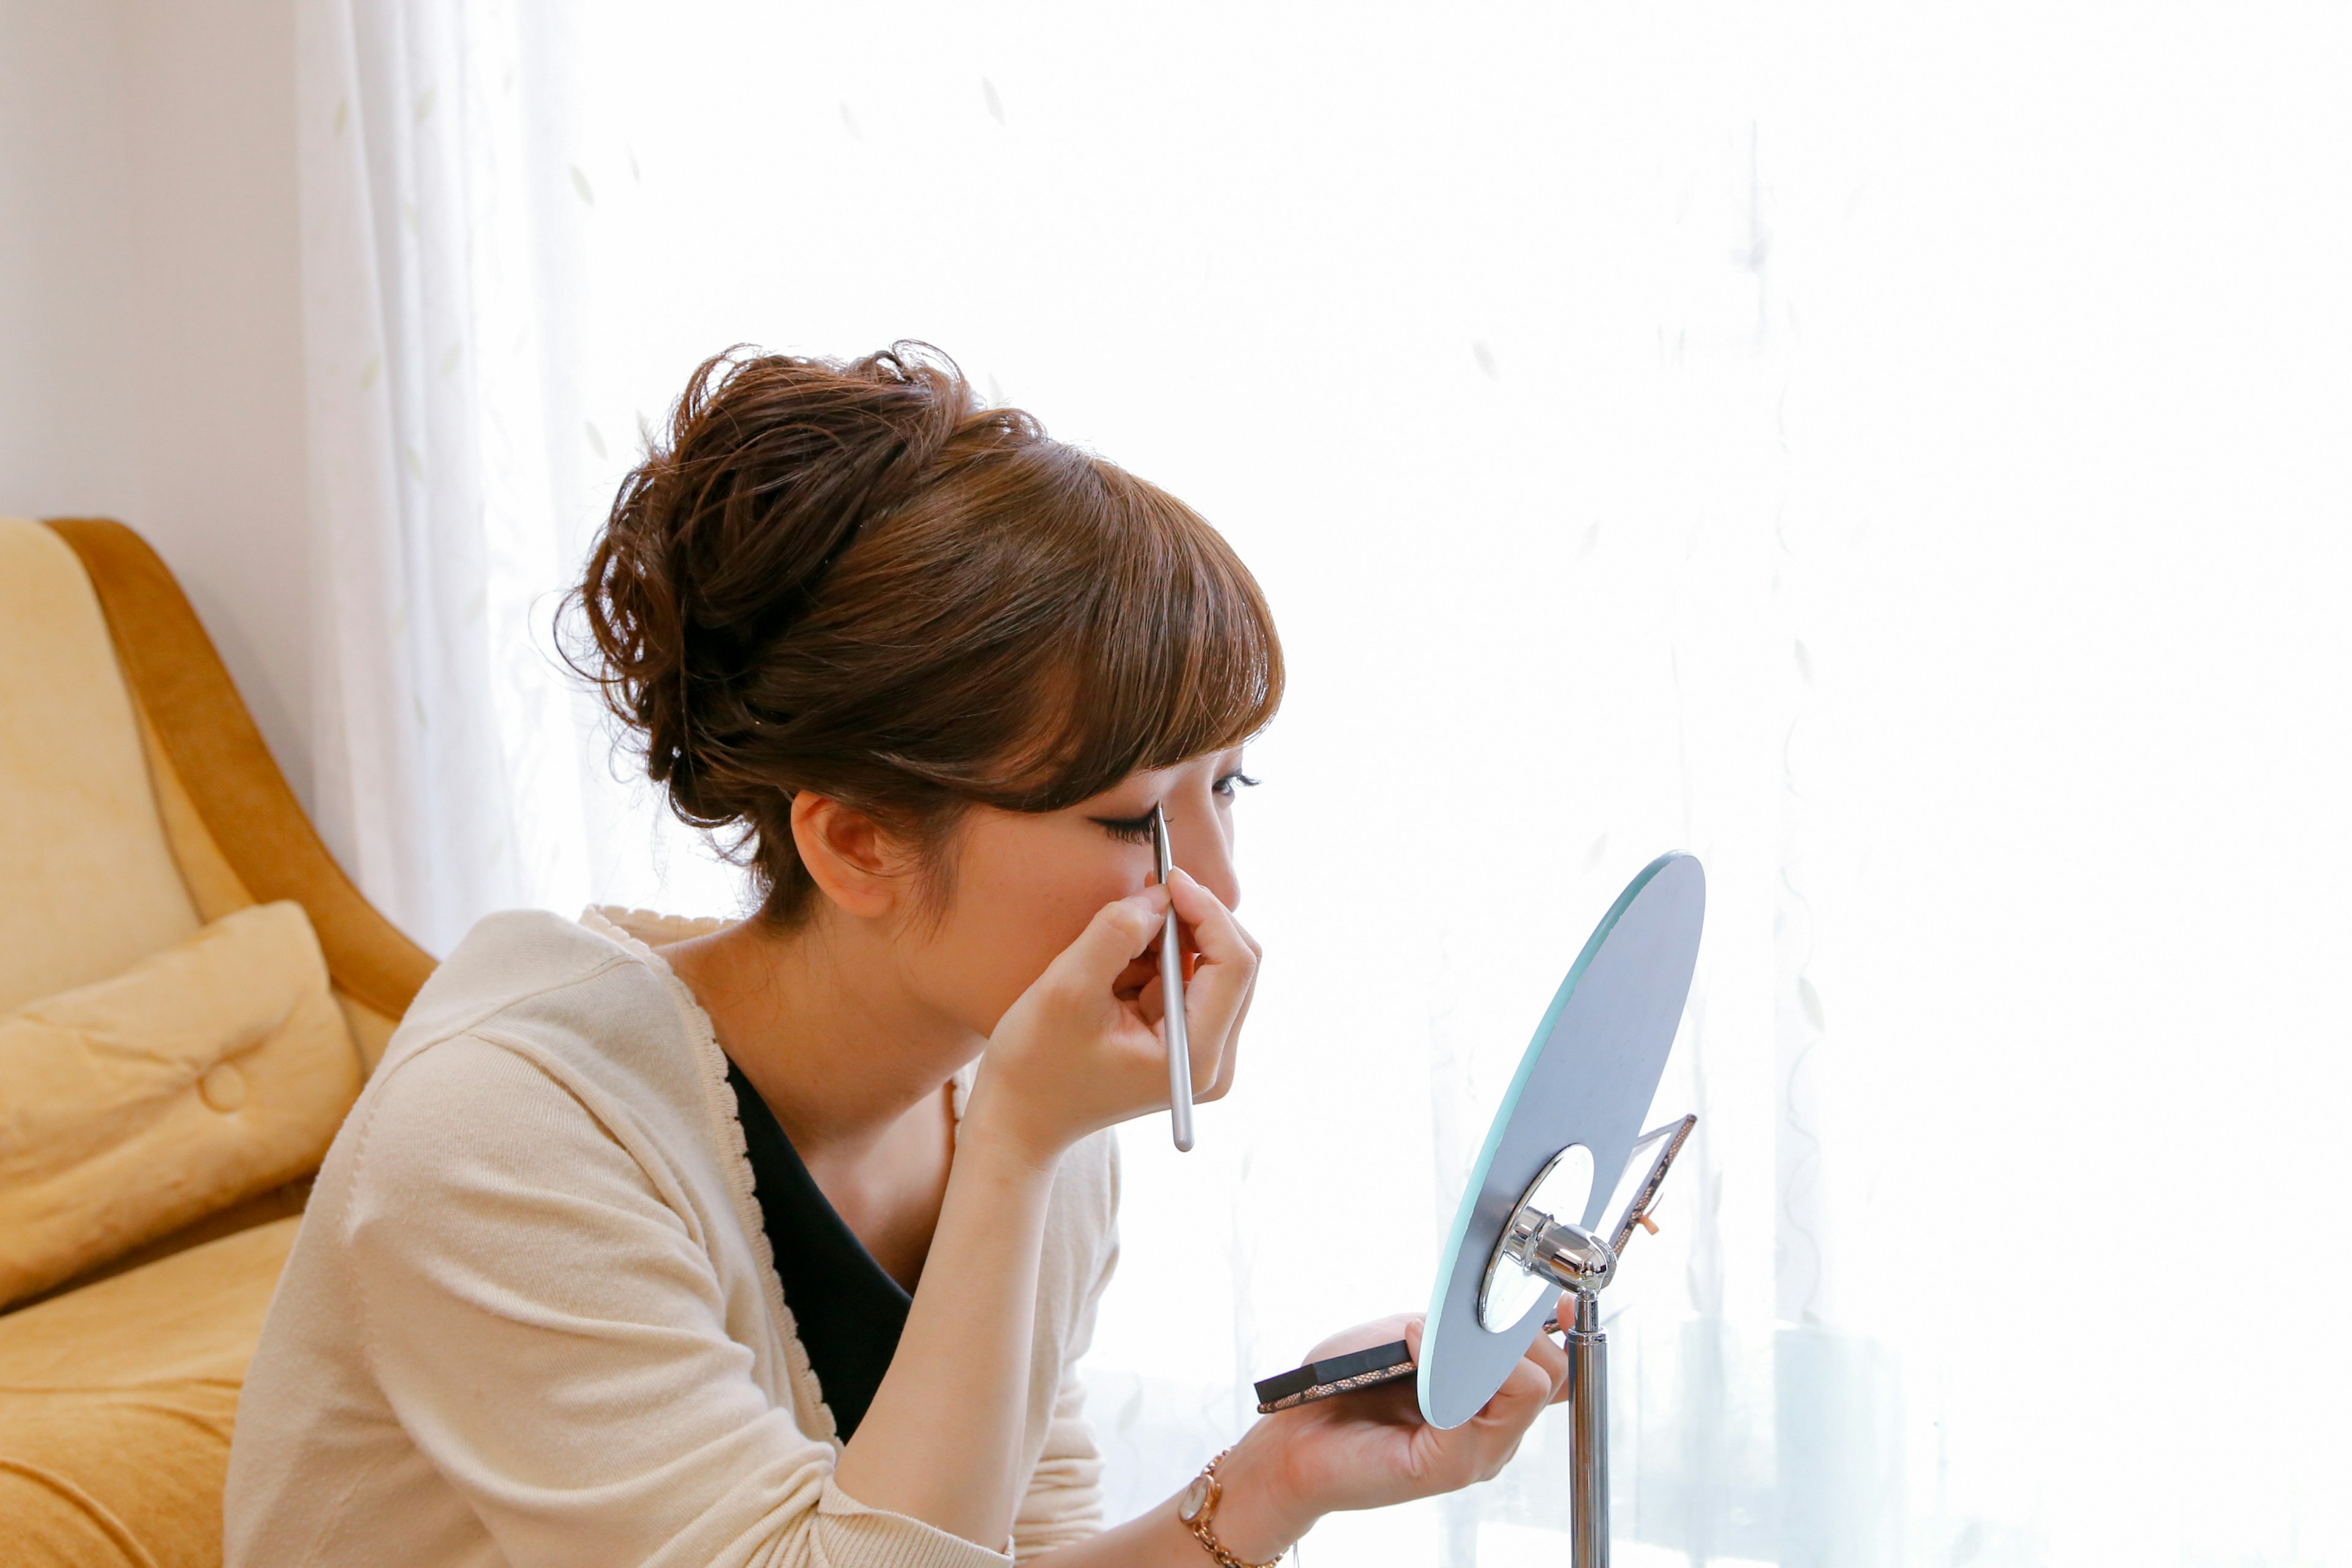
1198, 1506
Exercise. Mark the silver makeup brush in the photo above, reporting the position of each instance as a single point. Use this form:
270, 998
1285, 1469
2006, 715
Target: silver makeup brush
1172, 998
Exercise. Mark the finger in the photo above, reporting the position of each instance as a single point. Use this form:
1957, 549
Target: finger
1523, 1396
1120, 930
1364, 1336
1229, 1060
1228, 963
1480, 1446
1553, 1359
1220, 1073
1215, 932
1139, 980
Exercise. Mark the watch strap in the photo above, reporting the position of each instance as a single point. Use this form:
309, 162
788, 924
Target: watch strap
1202, 1524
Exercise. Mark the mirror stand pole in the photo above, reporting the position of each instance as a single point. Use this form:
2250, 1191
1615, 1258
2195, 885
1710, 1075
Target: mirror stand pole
1588, 1376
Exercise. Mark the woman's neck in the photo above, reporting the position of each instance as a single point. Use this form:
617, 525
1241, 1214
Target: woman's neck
822, 1022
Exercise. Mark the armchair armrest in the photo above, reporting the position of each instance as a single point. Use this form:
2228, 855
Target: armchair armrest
243, 801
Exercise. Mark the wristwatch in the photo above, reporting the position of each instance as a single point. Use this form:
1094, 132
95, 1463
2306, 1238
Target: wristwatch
1198, 1509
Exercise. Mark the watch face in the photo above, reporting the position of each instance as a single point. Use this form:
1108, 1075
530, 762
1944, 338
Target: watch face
1195, 1498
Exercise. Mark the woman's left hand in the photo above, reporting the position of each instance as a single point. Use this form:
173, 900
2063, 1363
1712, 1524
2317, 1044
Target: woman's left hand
1370, 1448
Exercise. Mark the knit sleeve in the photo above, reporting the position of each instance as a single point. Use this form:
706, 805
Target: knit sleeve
1064, 1503
537, 1310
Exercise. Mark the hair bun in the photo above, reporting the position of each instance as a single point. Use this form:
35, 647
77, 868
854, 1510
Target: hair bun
722, 537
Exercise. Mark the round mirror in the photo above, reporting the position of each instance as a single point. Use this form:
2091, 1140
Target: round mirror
1586, 1078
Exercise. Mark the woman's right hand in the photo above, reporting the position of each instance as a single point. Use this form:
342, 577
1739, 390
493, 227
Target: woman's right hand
1082, 1048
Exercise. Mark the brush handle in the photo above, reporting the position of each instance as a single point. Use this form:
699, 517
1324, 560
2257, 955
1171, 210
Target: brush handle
1171, 997
1179, 1047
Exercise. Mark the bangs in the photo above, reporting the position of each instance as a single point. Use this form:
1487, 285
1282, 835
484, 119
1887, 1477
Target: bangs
855, 580
1167, 653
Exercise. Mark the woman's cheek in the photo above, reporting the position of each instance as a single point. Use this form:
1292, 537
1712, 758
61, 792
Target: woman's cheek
1032, 937
1061, 916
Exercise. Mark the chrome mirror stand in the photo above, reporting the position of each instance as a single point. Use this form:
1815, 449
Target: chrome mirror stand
1538, 1250
1587, 1433
1555, 1252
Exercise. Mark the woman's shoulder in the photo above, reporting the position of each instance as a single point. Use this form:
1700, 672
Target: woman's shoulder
650, 927
545, 1070
506, 964
594, 1017
534, 974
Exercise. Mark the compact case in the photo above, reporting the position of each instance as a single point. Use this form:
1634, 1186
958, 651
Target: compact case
1335, 1375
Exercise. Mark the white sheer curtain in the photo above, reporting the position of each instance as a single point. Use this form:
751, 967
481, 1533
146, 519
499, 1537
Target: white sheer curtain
455, 475
1899, 457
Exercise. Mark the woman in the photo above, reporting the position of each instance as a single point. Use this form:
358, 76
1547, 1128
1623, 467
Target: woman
778, 1241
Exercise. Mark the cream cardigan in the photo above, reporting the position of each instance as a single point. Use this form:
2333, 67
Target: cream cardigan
532, 1317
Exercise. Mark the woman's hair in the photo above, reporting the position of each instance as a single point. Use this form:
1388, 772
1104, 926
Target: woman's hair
851, 578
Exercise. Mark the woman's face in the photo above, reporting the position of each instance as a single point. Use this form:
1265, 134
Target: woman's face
1025, 884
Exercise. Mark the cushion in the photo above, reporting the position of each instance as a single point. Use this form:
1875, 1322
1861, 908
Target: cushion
116, 1404
218, 1069
91, 882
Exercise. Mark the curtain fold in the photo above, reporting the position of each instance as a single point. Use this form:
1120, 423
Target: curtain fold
462, 768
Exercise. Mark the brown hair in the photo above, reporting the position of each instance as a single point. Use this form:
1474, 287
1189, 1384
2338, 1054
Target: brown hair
851, 578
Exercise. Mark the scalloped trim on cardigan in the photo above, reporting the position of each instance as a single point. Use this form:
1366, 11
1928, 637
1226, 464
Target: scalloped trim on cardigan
718, 1095
627, 929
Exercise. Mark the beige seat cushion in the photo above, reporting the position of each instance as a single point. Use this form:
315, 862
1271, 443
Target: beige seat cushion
88, 885
116, 1406
216, 1069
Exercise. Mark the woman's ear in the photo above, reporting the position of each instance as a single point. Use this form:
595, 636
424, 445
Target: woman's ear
853, 860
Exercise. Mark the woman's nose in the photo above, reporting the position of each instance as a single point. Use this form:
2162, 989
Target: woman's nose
1197, 840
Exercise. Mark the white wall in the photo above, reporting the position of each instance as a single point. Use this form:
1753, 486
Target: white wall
151, 363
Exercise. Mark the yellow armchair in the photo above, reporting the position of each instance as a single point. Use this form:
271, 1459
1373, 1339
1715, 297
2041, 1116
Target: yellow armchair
137, 805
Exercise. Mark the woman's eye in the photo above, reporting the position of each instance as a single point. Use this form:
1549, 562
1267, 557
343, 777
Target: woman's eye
1134, 829
1237, 779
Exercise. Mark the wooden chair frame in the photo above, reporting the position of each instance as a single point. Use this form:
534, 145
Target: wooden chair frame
236, 830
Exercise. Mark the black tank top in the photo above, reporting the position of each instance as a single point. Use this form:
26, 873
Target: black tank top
849, 1309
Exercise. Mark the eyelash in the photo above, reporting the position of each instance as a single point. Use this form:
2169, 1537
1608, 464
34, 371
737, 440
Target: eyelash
1137, 830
